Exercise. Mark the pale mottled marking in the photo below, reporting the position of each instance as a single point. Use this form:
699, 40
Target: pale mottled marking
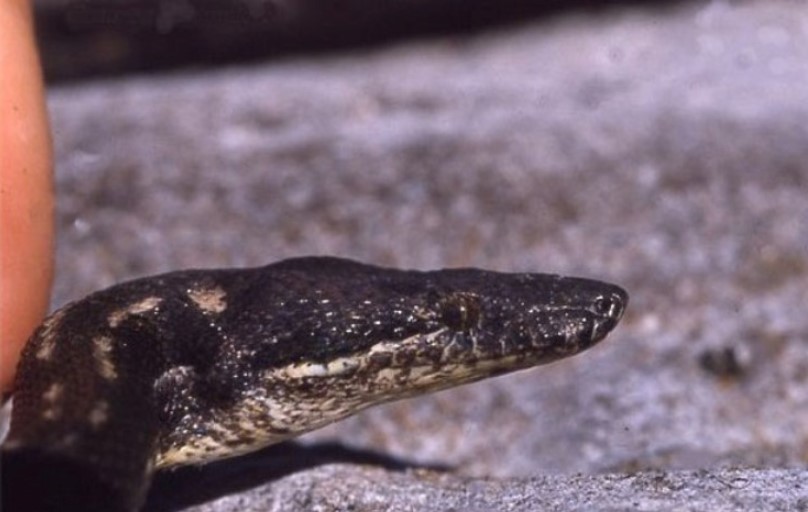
45, 349
52, 412
209, 300
47, 339
53, 393
99, 414
388, 374
136, 308
102, 352
52, 408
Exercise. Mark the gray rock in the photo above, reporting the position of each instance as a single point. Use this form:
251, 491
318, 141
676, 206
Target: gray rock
664, 150
335, 487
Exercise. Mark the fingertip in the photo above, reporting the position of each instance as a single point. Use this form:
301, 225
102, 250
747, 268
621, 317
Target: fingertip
26, 195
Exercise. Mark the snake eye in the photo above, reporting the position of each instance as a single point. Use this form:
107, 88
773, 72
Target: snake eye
460, 312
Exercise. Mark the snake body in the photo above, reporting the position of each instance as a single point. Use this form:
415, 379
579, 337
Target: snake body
197, 365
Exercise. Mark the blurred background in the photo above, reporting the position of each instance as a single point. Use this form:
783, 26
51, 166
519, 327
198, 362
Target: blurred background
662, 146
82, 38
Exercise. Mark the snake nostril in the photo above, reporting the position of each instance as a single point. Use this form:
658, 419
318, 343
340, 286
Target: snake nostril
602, 305
609, 306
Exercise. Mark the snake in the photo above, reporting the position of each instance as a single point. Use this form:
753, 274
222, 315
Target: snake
198, 365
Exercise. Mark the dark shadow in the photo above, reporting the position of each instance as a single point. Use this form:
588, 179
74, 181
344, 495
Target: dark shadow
174, 490
85, 38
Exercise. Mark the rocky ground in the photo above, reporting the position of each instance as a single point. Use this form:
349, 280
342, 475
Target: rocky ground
664, 149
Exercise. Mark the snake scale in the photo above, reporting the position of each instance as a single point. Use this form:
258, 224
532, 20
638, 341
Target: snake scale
197, 365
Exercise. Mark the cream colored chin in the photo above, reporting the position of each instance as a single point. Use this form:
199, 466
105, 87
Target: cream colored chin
300, 414
282, 409
207, 449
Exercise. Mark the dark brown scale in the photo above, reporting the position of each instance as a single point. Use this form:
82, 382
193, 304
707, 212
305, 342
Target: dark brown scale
381, 359
147, 368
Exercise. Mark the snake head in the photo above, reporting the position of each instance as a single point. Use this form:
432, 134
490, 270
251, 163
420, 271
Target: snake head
311, 340
504, 322
328, 337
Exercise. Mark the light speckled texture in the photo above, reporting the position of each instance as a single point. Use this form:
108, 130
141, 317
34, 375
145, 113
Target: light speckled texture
324, 490
662, 150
